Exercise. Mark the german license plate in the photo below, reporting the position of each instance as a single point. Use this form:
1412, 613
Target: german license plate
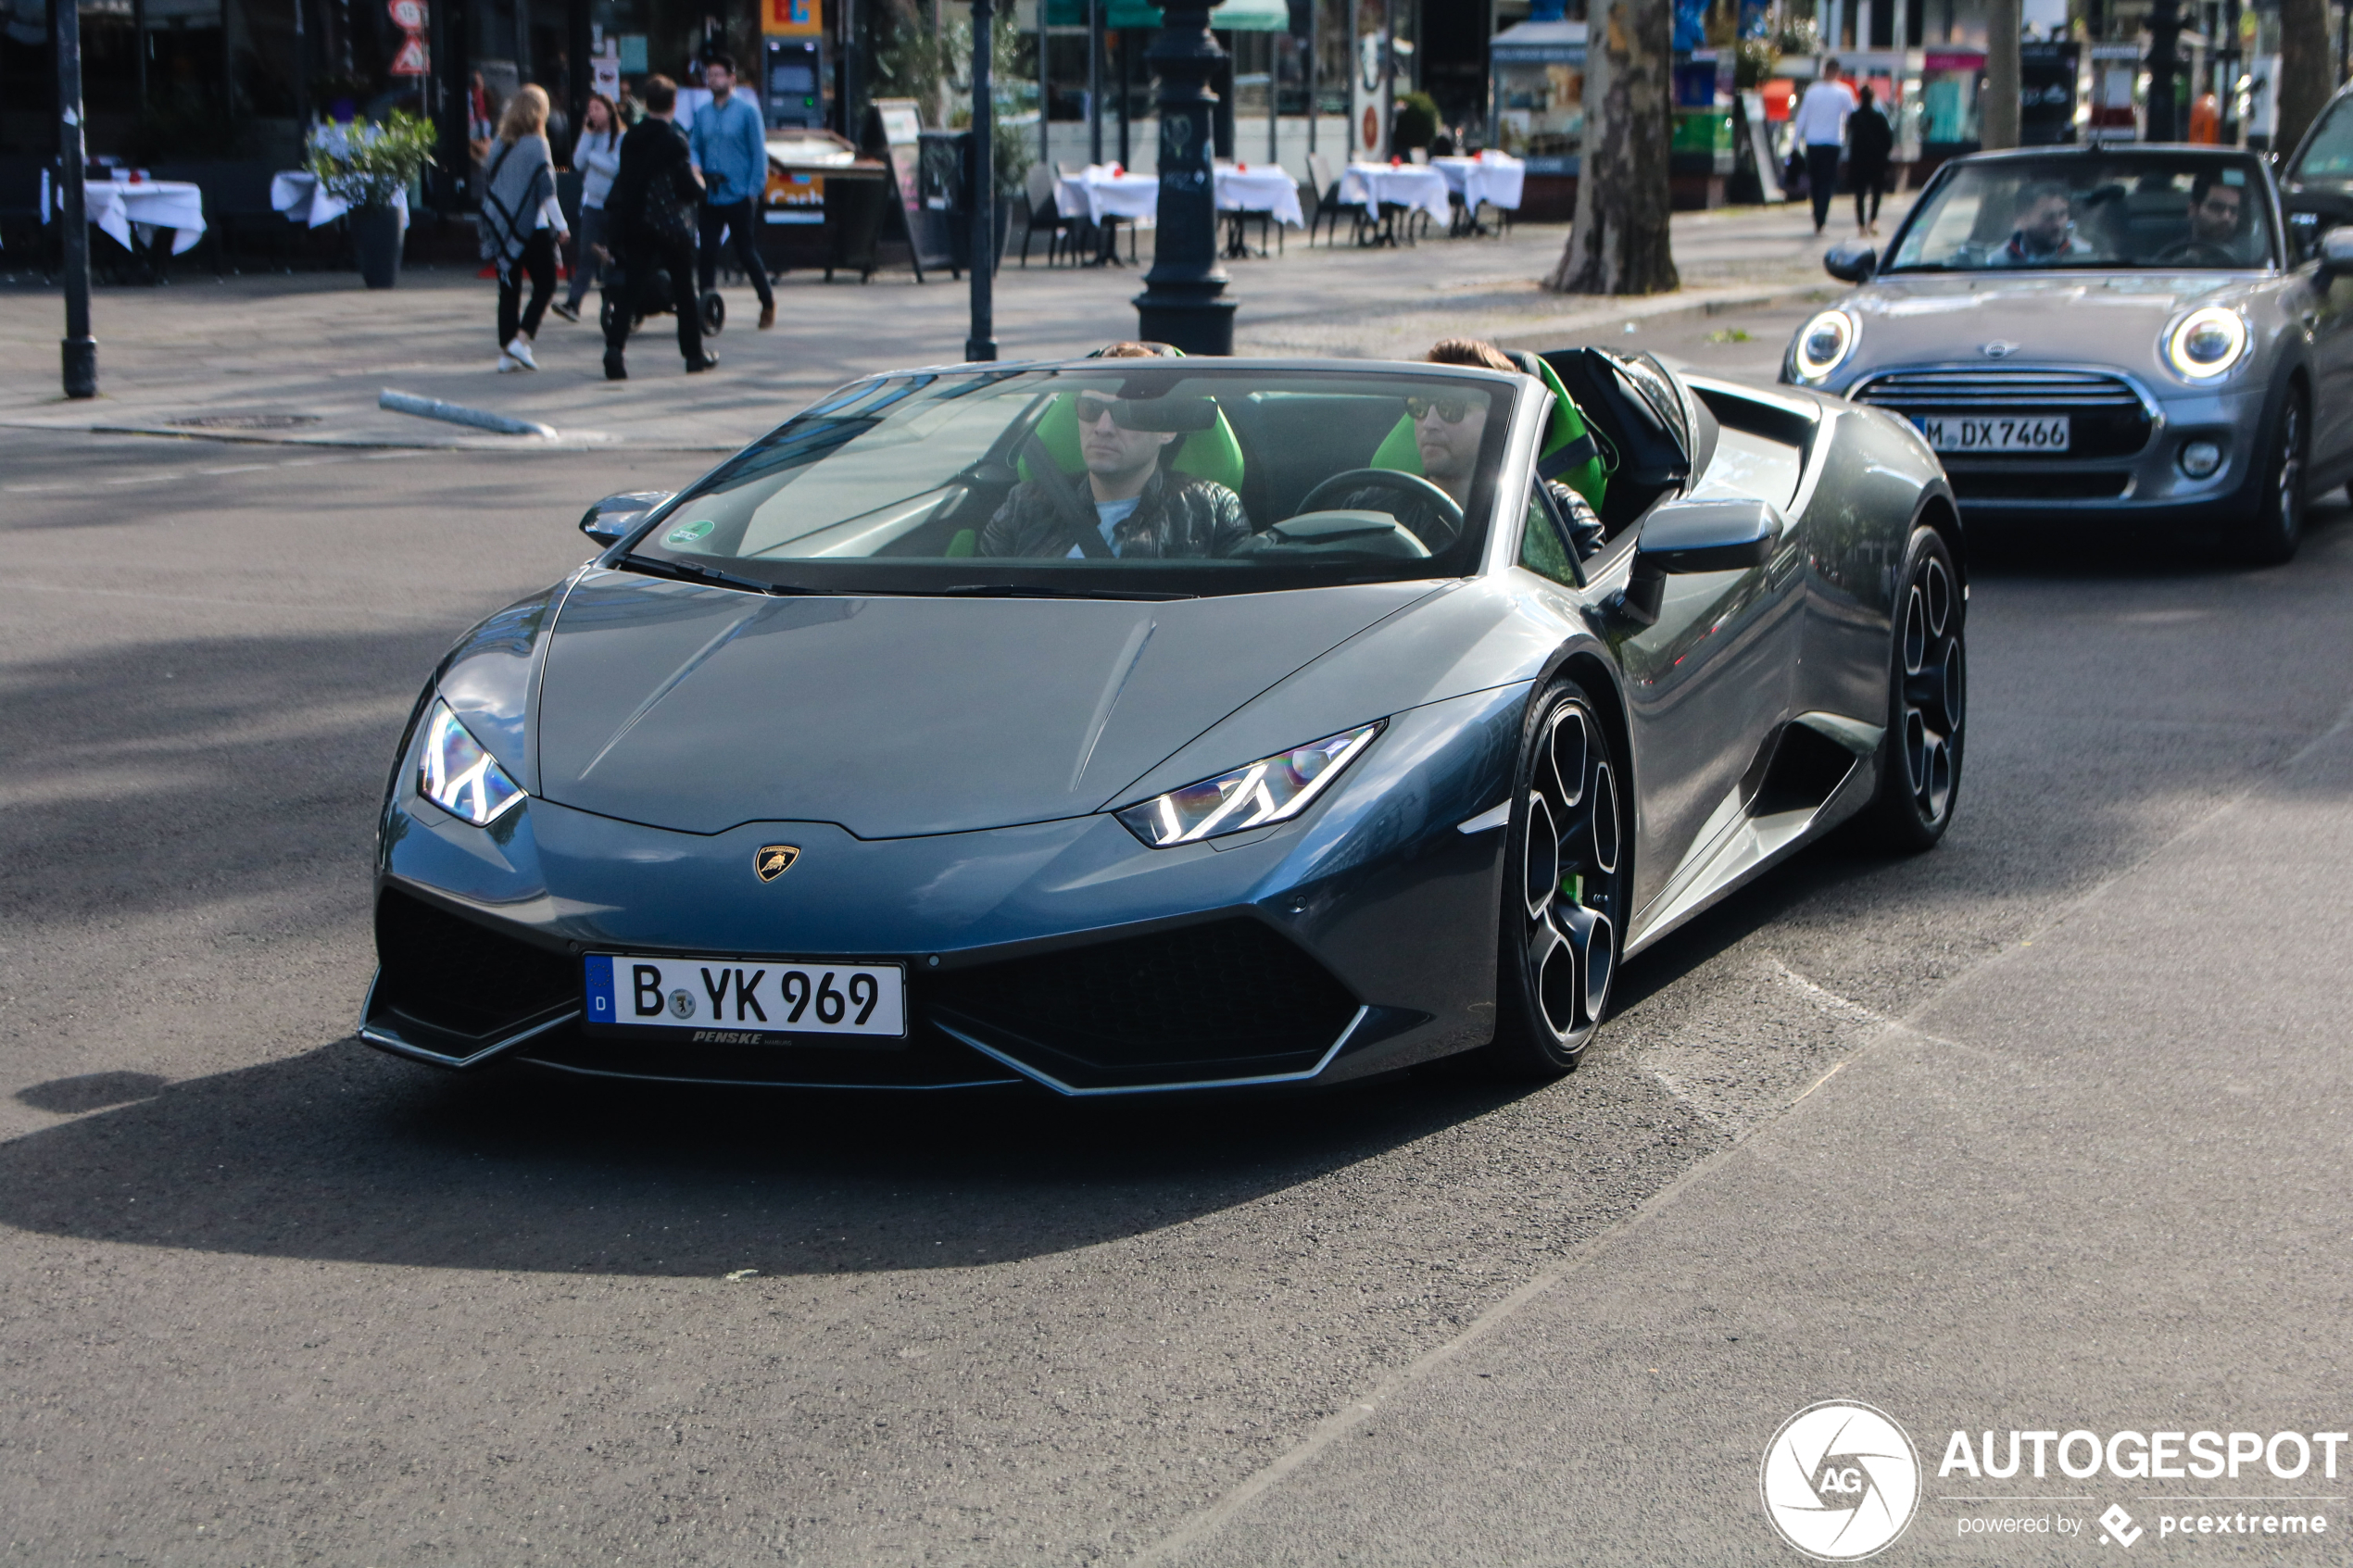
746, 1001
1994, 432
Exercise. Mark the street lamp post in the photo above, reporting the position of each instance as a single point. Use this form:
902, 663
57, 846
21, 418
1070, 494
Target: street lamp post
80, 349
1180, 304
981, 235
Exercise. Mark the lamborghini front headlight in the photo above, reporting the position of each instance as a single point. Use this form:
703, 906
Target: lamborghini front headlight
1273, 789
457, 775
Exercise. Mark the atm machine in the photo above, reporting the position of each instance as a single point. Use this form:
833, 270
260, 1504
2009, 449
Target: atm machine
792, 82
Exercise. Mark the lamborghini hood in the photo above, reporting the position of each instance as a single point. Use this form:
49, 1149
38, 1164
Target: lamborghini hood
697, 708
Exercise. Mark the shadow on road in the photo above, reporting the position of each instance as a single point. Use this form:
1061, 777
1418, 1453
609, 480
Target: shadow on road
338, 1154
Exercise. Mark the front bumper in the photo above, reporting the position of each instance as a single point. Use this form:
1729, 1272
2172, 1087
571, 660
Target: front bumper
1357, 939
2145, 483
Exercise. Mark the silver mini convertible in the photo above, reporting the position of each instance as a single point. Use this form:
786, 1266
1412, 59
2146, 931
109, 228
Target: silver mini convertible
2130, 334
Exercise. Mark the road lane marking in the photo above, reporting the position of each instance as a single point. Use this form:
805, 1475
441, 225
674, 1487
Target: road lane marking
1346, 1418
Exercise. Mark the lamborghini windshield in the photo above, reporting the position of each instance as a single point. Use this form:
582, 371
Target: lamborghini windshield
1121, 477
2104, 210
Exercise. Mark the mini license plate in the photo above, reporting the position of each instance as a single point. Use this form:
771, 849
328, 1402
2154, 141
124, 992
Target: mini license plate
746, 1001
1997, 433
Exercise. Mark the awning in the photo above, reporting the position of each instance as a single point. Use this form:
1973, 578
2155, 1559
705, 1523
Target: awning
1234, 16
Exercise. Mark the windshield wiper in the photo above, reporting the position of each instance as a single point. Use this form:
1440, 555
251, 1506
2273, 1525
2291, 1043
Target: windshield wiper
1038, 591
685, 571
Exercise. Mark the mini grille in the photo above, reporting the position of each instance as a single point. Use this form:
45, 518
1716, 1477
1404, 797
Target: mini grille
2107, 418
2095, 486
454, 974
1233, 991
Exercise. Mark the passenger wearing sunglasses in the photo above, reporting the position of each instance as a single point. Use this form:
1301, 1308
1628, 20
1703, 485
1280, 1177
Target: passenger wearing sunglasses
1448, 429
1126, 503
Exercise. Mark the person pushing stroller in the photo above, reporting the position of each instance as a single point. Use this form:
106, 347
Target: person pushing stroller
651, 213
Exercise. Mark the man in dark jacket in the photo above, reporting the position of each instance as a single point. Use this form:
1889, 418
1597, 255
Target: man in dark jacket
1126, 504
652, 210
1870, 141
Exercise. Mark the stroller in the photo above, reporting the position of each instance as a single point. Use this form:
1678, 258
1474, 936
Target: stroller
650, 298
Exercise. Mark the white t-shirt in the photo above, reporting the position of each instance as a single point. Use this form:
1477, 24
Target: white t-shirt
1109, 515
1820, 120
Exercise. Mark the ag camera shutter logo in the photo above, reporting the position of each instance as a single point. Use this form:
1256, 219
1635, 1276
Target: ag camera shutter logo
1841, 1481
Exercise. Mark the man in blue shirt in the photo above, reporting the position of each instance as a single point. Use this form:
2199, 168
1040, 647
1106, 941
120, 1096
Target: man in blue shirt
730, 145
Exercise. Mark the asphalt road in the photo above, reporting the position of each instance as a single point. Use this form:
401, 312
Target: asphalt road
268, 1296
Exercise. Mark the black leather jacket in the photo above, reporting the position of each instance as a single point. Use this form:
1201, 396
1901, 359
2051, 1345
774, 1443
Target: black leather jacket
1176, 517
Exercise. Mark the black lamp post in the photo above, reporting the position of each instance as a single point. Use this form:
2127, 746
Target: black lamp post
80, 349
1180, 304
981, 238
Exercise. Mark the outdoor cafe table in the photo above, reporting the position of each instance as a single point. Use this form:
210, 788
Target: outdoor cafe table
1413, 186
1266, 189
1492, 177
1099, 193
118, 208
297, 194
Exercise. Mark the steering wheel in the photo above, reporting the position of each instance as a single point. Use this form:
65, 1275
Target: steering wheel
2200, 253
1409, 485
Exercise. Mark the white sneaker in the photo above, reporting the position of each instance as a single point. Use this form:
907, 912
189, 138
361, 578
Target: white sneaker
519, 351
507, 362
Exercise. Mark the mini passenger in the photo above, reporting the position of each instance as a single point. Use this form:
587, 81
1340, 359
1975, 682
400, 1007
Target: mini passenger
1449, 426
2046, 233
1126, 503
2218, 214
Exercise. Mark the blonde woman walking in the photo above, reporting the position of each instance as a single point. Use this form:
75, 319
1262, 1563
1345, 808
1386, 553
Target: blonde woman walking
521, 223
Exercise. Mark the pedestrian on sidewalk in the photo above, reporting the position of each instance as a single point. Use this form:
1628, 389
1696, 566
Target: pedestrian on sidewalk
731, 151
1819, 126
1871, 141
521, 223
597, 157
650, 211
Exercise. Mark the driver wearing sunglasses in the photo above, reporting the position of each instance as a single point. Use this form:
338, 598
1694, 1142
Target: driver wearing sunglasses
1449, 425
1124, 503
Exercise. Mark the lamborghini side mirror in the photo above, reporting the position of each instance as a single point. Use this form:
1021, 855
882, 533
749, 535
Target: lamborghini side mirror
1852, 263
611, 518
1696, 535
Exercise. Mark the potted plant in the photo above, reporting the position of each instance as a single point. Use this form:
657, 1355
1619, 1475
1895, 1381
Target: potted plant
369, 168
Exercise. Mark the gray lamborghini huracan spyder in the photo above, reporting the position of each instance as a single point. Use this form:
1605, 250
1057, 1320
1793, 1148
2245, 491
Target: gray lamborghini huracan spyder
1138, 725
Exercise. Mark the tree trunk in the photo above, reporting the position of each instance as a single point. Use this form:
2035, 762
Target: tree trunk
2308, 69
1619, 243
1997, 115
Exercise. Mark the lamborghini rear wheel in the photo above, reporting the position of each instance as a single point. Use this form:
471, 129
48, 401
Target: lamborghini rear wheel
1926, 700
1564, 915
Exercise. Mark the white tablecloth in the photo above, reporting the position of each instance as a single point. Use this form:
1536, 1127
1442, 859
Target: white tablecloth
1096, 194
117, 208
297, 194
1493, 177
1264, 189
1374, 185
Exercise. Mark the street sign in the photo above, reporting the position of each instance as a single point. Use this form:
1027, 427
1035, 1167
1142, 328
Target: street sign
409, 16
412, 60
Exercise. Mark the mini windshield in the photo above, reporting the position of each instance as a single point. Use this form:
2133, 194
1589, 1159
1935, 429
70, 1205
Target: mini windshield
1120, 477
2103, 210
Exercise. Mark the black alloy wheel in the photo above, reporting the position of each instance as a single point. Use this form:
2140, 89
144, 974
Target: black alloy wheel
1926, 700
1565, 885
2278, 525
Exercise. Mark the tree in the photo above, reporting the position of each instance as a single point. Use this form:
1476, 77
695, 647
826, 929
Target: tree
2306, 71
1998, 111
1619, 243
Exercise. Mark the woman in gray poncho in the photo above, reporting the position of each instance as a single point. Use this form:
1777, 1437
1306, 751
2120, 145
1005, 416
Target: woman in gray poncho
521, 222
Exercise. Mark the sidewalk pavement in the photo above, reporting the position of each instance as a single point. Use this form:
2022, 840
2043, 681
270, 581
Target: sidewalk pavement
301, 359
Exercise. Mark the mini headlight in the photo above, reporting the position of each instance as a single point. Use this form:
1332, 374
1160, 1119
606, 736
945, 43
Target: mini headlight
1272, 790
1823, 344
2206, 342
459, 776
